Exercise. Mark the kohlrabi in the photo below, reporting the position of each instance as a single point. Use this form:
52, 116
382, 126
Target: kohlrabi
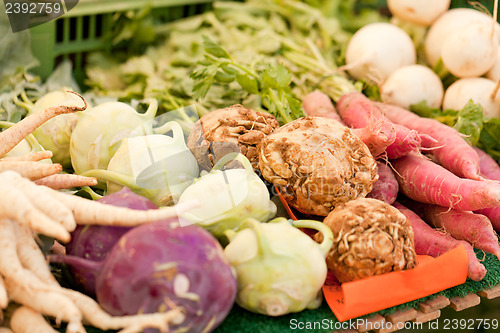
100, 129
55, 134
228, 197
159, 167
279, 268
26, 146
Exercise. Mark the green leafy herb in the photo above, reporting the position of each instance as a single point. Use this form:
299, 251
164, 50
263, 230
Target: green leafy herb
272, 83
478, 130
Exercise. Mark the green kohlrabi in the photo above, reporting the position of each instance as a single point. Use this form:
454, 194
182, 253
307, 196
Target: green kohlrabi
55, 134
227, 197
26, 146
156, 166
280, 269
100, 129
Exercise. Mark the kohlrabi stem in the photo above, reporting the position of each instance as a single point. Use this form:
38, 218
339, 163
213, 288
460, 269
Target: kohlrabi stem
113, 177
327, 242
233, 157
151, 111
91, 192
23, 104
263, 246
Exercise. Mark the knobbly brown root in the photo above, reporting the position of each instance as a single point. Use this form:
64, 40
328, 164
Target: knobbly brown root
370, 238
318, 163
29, 169
15, 205
65, 181
42, 199
232, 129
4, 299
87, 211
33, 157
26, 320
94, 314
31, 257
16, 133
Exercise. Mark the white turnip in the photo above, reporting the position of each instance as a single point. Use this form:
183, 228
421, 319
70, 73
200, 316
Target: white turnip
412, 84
470, 51
478, 89
422, 12
448, 23
377, 50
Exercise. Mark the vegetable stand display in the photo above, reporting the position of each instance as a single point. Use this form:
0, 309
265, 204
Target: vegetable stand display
273, 171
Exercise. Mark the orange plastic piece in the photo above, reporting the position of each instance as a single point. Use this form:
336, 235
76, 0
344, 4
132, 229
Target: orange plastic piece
357, 298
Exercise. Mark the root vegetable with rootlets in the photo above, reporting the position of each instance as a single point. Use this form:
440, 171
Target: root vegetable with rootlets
359, 111
370, 237
449, 147
318, 163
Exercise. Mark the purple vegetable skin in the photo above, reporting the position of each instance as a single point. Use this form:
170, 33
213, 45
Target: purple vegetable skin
154, 266
93, 242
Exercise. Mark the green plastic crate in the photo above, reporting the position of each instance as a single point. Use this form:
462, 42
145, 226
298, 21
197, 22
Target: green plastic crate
82, 29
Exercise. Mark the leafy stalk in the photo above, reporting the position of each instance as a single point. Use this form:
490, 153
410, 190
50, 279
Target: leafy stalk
272, 83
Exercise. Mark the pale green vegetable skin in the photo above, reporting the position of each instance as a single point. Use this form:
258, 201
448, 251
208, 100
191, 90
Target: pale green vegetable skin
28, 145
228, 197
164, 164
100, 129
280, 269
55, 134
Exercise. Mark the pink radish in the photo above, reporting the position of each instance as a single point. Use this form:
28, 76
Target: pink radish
386, 187
376, 136
425, 181
359, 111
431, 242
476, 229
490, 169
450, 149
319, 104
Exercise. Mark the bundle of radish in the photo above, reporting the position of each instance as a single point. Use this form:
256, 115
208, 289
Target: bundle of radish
359, 111
318, 163
377, 136
489, 169
432, 242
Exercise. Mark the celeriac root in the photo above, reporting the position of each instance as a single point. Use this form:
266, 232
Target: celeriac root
65, 181
26, 320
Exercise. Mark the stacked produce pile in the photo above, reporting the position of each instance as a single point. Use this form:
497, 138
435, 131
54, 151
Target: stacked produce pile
370, 133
